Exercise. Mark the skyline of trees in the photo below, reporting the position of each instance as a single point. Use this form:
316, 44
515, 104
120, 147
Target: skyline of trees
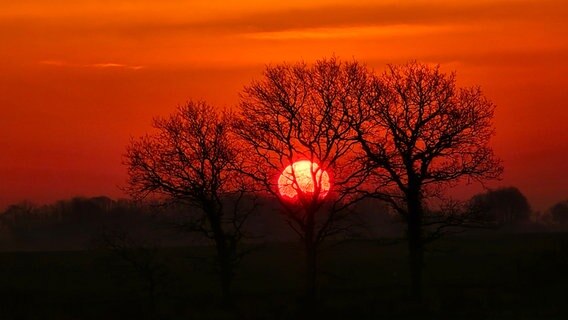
41, 223
402, 137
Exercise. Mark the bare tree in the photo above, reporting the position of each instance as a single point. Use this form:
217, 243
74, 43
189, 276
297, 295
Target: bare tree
192, 159
423, 134
298, 113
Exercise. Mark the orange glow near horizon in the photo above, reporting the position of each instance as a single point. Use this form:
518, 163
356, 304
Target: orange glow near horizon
303, 178
79, 78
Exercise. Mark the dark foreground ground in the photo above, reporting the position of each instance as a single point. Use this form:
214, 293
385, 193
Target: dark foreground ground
506, 276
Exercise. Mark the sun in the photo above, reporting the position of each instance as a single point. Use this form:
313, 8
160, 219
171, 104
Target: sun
309, 179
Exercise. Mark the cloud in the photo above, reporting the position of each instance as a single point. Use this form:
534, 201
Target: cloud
354, 15
344, 15
105, 65
114, 65
350, 32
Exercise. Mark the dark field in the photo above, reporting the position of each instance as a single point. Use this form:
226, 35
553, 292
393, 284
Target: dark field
495, 276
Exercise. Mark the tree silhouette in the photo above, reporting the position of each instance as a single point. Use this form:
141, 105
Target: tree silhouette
423, 134
192, 159
504, 206
298, 112
559, 212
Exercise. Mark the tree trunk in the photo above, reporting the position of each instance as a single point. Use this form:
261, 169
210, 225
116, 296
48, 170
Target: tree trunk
152, 296
311, 274
224, 258
416, 256
311, 262
225, 268
415, 244
226, 274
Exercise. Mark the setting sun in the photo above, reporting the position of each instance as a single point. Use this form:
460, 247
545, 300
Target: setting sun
303, 176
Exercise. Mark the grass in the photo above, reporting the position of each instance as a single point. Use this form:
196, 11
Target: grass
497, 276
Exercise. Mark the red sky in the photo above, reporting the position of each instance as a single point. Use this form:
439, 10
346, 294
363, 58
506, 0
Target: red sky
79, 78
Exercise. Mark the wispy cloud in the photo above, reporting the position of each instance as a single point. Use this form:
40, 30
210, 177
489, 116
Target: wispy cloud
114, 65
105, 65
349, 32
339, 15
355, 15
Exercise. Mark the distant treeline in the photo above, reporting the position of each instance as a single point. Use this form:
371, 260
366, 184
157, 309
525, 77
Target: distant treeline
77, 223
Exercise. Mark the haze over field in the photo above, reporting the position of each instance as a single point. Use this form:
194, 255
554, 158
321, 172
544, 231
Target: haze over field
80, 78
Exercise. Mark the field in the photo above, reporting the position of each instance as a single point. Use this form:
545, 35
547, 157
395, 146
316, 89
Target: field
492, 276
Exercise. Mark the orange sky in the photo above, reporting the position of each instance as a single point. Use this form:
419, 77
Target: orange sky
78, 78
